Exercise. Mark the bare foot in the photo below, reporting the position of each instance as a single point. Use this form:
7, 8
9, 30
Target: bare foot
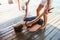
34, 28
42, 27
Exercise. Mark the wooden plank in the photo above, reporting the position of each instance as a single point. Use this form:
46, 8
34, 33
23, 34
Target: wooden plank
15, 36
53, 19
40, 37
3, 31
6, 28
9, 34
27, 36
43, 35
57, 36
52, 27
50, 21
52, 33
51, 16
11, 22
48, 31
34, 36
54, 22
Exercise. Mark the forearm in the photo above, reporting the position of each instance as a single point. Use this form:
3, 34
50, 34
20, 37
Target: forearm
26, 11
48, 4
27, 6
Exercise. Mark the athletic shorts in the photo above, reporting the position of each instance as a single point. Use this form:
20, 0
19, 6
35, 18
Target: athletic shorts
40, 22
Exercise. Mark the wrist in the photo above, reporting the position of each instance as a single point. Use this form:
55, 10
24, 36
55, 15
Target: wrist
26, 23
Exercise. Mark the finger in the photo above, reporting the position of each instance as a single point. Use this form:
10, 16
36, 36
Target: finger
50, 9
49, 12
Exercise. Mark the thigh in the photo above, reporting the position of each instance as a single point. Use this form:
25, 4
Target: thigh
40, 22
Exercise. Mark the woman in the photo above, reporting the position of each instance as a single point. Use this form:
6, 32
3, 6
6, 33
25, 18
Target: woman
36, 22
39, 22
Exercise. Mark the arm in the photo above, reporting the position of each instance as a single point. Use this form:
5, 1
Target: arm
45, 14
48, 4
38, 16
26, 9
35, 20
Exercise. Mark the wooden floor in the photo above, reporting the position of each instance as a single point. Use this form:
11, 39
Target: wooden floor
52, 31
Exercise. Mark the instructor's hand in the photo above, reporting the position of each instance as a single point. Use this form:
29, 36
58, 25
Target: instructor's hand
29, 23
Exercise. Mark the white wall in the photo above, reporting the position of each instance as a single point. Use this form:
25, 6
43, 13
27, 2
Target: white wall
4, 2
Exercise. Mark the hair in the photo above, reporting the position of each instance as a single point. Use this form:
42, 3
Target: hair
18, 28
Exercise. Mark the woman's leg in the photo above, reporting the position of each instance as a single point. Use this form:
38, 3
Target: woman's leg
39, 9
30, 18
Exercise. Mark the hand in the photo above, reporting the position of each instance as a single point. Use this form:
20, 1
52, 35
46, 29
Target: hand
48, 10
29, 23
